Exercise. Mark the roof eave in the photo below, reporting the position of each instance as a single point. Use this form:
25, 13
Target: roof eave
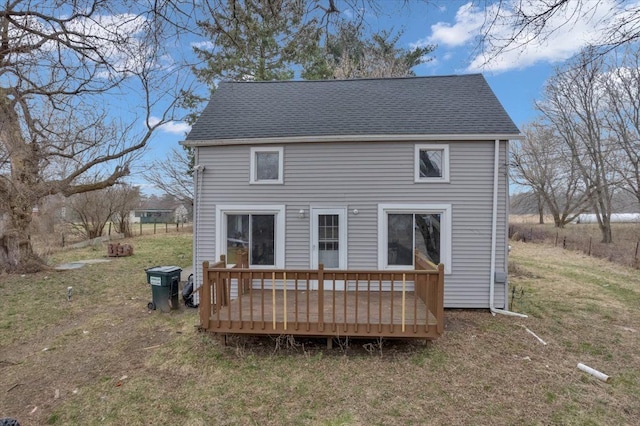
353, 138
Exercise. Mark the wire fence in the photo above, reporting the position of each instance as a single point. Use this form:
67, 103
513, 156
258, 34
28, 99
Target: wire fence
625, 250
69, 236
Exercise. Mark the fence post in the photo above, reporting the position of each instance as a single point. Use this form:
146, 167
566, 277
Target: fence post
109, 228
140, 227
556, 243
154, 226
637, 245
63, 244
564, 242
589, 254
166, 227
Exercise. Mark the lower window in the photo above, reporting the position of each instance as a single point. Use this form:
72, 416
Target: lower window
405, 229
410, 231
259, 231
254, 233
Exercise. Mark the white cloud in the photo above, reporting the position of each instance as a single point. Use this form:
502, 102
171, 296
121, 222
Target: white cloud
468, 21
565, 33
117, 38
174, 127
204, 45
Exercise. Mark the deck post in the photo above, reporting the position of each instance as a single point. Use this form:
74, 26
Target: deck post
440, 300
205, 297
321, 297
220, 288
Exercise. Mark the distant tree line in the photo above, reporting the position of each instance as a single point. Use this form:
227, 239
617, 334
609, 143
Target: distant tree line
584, 149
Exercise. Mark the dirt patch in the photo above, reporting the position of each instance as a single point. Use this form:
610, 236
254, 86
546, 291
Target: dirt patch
57, 363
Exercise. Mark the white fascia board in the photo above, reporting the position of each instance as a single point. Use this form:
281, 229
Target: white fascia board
352, 138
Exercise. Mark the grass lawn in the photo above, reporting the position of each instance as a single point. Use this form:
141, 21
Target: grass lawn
104, 359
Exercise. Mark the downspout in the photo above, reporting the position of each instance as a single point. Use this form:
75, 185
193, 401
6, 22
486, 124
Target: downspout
197, 269
494, 230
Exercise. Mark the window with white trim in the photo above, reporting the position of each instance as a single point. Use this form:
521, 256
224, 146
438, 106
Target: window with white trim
406, 228
431, 163
259, 230
266, 165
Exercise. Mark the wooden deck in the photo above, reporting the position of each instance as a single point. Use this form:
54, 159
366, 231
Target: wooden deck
341, 309
407, 304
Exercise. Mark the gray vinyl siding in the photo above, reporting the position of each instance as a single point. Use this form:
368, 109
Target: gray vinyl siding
361, 176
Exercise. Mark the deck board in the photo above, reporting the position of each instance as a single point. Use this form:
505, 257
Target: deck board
249, 307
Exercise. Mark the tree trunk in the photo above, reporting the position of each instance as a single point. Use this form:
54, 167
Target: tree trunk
19, 198
540, 210
605, 228
558, 222
16, 251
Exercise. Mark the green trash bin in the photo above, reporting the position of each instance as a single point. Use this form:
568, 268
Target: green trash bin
164, 281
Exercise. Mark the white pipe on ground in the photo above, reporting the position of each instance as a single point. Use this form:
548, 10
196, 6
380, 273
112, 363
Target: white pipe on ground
535, 335
494, 230
595, 373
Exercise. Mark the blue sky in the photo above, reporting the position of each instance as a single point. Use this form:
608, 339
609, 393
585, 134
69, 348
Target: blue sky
516, 76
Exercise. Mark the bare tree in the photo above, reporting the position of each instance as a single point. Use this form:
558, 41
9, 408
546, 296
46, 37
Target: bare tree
125, 198
90, 211
622, 90
544, 163
525, 203
71, 73
574, 103
174, 175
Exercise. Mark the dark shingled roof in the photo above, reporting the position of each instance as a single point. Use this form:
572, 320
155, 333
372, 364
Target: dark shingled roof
442, 105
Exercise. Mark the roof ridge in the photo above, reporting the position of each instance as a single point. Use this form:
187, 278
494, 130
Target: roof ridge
416, 77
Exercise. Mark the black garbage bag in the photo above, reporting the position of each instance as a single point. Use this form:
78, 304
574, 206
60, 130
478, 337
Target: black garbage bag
188, 293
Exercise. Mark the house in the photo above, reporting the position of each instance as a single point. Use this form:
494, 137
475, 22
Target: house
356, 175
159, 211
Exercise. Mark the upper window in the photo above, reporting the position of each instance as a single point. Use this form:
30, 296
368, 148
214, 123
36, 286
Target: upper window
432, 163
266, 165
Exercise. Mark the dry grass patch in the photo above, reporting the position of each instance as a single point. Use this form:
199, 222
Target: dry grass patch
585, 238
111, 362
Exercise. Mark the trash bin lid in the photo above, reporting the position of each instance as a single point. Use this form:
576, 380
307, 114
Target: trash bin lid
165, 269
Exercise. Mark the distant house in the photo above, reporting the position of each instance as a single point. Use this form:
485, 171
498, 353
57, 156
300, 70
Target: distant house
357, 175
159, 212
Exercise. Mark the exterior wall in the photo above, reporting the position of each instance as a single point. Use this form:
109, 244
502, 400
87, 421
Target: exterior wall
361, 176
133, 218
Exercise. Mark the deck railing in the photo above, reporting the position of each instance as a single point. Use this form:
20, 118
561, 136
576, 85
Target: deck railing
320, 302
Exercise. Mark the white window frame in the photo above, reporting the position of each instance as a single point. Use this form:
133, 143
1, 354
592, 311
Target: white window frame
444, 210
445, 162
277, 210
253, 175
